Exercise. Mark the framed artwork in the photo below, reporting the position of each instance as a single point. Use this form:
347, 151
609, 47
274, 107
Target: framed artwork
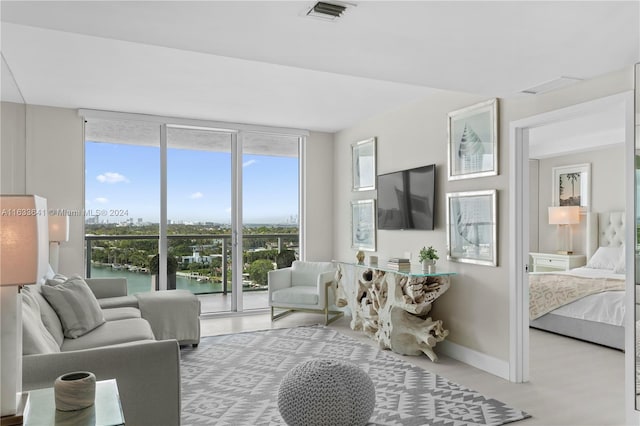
363, 225
472, 227
363, 156
473, 141
571, 186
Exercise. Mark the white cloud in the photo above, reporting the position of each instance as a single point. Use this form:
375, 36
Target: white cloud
102, 200
112, 177
249, 163
196, 195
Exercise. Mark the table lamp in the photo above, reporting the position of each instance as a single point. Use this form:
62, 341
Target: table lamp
58, 233
23, 259
564, 217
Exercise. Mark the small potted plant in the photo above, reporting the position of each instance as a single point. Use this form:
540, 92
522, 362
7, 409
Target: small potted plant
427, 258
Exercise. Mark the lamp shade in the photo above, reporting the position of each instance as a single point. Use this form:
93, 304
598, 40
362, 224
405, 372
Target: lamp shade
24, 245
566, 215
58, 228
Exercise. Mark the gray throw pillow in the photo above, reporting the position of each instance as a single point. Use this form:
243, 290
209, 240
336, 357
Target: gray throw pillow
36, 339
76, 306
47, 314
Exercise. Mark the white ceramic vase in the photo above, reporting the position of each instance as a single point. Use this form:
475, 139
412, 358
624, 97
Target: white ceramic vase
75, 391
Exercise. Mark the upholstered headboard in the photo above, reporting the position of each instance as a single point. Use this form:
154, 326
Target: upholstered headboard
605, 230
611, 229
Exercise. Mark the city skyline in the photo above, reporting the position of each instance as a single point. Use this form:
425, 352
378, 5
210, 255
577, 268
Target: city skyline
123, 180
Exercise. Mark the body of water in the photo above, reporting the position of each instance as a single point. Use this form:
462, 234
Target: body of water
139, 282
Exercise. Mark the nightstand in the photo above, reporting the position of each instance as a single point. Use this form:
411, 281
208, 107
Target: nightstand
549, 262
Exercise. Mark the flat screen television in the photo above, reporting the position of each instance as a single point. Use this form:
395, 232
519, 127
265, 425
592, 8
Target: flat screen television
406, 199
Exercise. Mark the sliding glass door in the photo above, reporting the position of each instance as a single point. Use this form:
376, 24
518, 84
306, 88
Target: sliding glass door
199, 213
122, 200
270, 210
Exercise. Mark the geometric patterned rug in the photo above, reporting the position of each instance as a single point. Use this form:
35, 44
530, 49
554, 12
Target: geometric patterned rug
233, 380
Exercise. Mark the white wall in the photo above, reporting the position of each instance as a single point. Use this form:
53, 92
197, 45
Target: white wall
607, 191
55, 170
476, 307
318, 197
412, 136
12, 148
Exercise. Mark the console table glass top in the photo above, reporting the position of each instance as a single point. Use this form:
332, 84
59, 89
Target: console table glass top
106, 411
415, 270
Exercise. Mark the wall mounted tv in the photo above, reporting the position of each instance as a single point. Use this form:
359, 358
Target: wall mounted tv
406, 199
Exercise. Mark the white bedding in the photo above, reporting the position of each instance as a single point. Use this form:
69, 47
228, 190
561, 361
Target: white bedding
607, 307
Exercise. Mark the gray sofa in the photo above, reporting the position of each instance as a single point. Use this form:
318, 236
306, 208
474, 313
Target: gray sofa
147, 371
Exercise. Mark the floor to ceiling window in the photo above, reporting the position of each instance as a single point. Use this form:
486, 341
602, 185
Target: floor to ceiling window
270, 209
221, 204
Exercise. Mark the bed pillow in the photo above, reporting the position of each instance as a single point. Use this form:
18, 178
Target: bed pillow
606, 258
76, 306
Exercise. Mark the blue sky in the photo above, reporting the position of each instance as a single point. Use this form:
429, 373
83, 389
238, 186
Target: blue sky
127, 177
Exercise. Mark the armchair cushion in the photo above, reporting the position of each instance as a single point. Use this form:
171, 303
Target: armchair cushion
306, 273
298, 295
76, 306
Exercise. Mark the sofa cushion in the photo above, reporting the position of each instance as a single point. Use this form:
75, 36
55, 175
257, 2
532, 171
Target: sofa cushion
115, 314
306, 273
76, 306
119, 302
111, 333
298, 295
36, 339
49, 317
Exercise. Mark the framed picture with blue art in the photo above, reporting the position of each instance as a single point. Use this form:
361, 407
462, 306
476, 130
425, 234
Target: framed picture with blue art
363, 225
473, 141
472, 227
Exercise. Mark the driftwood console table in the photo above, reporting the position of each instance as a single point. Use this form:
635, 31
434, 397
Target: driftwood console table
391, 306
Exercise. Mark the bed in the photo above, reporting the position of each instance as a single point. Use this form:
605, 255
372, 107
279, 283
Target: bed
586, 303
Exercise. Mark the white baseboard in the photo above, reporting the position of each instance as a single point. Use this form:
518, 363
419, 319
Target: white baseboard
475, 359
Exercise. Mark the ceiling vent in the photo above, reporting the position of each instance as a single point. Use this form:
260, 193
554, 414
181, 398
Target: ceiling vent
327, 11
554, 84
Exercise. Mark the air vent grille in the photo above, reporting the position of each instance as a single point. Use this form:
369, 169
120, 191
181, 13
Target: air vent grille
326, 10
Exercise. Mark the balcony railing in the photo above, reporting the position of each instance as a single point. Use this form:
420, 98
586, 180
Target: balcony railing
219, 244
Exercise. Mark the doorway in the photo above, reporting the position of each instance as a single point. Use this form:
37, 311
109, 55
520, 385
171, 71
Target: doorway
521, 133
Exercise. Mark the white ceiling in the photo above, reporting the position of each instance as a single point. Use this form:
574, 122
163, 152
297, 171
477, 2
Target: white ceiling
266, 63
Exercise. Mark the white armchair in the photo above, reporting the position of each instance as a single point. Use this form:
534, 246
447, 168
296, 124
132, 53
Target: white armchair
303, 287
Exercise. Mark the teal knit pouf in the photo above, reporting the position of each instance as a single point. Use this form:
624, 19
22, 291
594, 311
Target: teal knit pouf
326, 392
